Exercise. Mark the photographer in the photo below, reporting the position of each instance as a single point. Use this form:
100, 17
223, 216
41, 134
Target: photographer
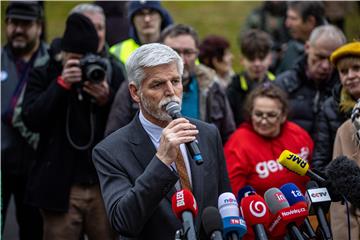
67, 101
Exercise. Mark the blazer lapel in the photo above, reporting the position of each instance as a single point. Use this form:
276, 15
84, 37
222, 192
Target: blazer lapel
143, 148
197, 174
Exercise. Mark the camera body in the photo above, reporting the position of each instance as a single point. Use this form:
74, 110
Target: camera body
93, 68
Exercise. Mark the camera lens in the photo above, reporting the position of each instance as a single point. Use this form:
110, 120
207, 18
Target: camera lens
95, 73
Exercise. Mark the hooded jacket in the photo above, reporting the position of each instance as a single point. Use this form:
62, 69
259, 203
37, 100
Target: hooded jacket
124, 49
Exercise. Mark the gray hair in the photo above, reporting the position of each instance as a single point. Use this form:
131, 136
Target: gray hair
87, 7
328, 32
150, 55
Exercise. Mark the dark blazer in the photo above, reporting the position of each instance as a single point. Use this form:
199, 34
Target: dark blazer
137, 187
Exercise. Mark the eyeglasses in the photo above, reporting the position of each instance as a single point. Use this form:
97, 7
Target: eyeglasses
271, 117
186, 51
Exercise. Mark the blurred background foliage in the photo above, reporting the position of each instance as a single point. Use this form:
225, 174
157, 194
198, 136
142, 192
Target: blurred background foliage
208, 17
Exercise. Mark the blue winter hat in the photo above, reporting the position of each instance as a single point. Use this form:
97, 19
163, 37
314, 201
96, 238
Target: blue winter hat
136, 6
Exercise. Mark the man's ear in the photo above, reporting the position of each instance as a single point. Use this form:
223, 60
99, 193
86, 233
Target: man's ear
134, 92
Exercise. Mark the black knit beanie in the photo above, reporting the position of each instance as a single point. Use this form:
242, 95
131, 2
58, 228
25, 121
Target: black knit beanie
80, 35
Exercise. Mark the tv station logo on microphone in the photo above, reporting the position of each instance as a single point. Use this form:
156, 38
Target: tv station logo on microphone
318, 195
180, 201
280, 197
292, 157
237, 221
229, 201
257, 209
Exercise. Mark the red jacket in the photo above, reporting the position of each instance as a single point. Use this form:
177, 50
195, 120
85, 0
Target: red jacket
252, 159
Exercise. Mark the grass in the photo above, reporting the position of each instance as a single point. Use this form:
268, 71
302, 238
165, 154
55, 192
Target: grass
216, 17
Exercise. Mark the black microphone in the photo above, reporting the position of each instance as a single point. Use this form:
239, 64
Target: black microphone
319, 203
173, 109
343, 177
212, 223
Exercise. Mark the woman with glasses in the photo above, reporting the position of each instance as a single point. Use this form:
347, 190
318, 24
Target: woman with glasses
252, 151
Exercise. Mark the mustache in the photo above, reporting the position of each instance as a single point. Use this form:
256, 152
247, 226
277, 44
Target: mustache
15, 35
166, 101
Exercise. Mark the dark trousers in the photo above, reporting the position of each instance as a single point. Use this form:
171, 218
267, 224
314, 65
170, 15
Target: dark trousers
28, 218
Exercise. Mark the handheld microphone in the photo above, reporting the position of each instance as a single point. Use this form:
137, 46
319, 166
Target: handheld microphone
212, 223
344, 178
298, 165
185, 208
319, 203
257, 214
173, 109
294, 196
234, 225
244, 192
286, 217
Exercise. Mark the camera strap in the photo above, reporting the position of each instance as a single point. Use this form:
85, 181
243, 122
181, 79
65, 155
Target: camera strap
92, 130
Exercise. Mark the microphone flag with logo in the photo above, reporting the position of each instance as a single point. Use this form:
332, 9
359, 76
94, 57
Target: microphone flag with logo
234, 225
285, 217
298, 165
185, 208
257, 214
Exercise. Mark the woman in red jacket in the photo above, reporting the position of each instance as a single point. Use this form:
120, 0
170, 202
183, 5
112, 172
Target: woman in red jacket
252, 151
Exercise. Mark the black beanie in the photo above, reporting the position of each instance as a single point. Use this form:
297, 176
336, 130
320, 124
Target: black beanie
80, 35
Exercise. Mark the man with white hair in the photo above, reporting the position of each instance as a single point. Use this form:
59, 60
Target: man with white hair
312, 80
141, 165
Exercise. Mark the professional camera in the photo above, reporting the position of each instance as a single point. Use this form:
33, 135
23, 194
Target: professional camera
93, 68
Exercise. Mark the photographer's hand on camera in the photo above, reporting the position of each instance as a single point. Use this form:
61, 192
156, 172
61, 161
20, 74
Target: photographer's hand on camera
100, 91
71, 72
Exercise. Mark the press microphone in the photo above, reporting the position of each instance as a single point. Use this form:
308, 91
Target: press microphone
212, 224
257, 214
173, 109
344, 178
234, 225
319, 203
296, 164
286, 217
244, 192
294, 196
185, 208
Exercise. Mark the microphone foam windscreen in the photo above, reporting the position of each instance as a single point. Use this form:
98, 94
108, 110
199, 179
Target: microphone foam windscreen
172, 108
211, 221
245, 191
183, 200
275, 199
293, 162
227, 205
344, 177
255, 210
292, 193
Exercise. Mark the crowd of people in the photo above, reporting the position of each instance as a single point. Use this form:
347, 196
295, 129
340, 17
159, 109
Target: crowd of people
89, 148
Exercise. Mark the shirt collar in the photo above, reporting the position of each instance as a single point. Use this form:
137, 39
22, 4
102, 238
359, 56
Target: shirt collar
154, 131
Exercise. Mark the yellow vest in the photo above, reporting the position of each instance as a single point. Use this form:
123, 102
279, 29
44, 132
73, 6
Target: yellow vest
124, 49
244, 85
